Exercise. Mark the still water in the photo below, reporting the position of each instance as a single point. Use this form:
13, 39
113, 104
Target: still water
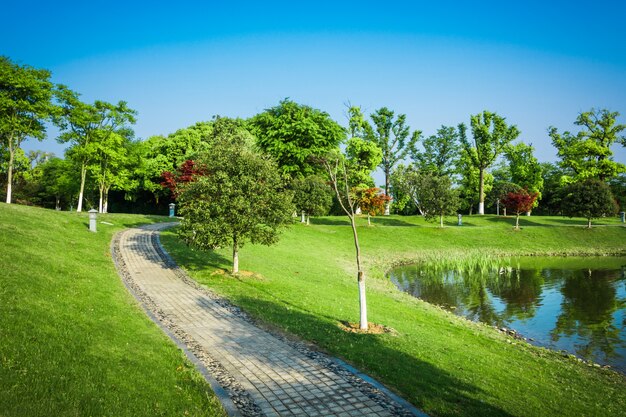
572, 304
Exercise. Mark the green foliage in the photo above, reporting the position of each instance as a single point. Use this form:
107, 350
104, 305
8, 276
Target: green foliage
587, 154
437, 197
590, 198
25, 104
294, 134
312, 195
441, 152
391, 136
525, 168
362, 157
240, 198
470, 181
490, 135
618, 188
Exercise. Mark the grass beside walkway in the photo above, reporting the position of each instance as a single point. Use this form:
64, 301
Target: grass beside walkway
73, 341
443, 364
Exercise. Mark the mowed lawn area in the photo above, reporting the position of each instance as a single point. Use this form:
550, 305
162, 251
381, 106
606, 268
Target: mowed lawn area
73, 341
306, 285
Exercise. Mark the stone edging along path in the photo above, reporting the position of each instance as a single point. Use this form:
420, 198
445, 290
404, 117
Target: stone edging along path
253, 371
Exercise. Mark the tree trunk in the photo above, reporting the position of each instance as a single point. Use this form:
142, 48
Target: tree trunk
57, 204
83, 177
589, 223
481, 195
360, 276
307, 220
441, 221
105, 204
10, 170
302, 217
388, 203
517, 222
235, 257
369, 223
101, 200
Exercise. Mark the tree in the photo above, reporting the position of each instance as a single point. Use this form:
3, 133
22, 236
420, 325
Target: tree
293, 133
520, 201
500, 191
588, 153
590, 198
438, 197
312, 196
526, 171
391, 136
239, 198
84, 125
406, 182
25, 103
372, 201
58, 181
362, 157
334, 163
490, 135
471, 179
440, 152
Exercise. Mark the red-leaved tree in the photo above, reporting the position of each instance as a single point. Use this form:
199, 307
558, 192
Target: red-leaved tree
372, 201
184, 174
519, 202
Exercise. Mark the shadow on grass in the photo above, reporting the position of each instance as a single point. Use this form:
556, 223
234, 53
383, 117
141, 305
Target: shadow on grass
189, 258
419, 382
388, 221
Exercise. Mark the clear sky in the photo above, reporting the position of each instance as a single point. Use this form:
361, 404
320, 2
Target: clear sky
177, 63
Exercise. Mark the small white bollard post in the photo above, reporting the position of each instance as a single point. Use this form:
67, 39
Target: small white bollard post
460, 218
92, 220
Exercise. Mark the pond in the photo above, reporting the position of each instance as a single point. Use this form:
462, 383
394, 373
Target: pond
572, 304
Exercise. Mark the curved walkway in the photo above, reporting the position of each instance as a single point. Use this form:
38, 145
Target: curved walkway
254, 372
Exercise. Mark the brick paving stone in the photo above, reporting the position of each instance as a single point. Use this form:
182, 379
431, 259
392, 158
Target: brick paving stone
280, 379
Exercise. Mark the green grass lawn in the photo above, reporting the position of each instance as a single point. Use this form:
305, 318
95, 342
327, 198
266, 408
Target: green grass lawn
73, 341
445, 365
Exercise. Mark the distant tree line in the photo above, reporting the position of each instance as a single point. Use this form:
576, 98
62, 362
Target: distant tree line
458, 169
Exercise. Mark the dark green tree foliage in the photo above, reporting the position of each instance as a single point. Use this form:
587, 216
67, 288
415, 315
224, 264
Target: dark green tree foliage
240, 198
499, 192
590, 198
312, 195
25, 104
618, 188
490, 135
293, 134
441, 152
588, 153
552, 189
437, 197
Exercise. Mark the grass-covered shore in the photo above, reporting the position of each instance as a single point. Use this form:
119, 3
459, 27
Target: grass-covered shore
445, 365
73, 341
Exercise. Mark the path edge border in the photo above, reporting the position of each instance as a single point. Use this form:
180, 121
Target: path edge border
220, 392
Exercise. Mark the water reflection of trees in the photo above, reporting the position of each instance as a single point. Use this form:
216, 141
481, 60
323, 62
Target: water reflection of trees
521, 292
589, 303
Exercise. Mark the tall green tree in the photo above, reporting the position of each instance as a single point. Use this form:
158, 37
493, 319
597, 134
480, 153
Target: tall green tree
25, 104
362, 158
83, 125
490, 135
239, 197
437, 197
391, 134
470, 180
441, 152
294, 134
588, 153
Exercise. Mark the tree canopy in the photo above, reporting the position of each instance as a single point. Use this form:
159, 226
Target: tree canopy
588, 154
239, 197
490, 134
293, 134
590, 198
25, 104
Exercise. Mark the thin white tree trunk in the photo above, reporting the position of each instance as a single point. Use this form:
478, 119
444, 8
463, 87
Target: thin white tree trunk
10, 170
105, 205
481, 192
83, 177
235, 257
101, 200
307, 219
362, 303
302, 216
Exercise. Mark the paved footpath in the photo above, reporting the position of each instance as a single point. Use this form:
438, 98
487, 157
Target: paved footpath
257, 373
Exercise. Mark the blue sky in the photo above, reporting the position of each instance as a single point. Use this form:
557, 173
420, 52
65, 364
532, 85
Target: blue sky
537, 64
